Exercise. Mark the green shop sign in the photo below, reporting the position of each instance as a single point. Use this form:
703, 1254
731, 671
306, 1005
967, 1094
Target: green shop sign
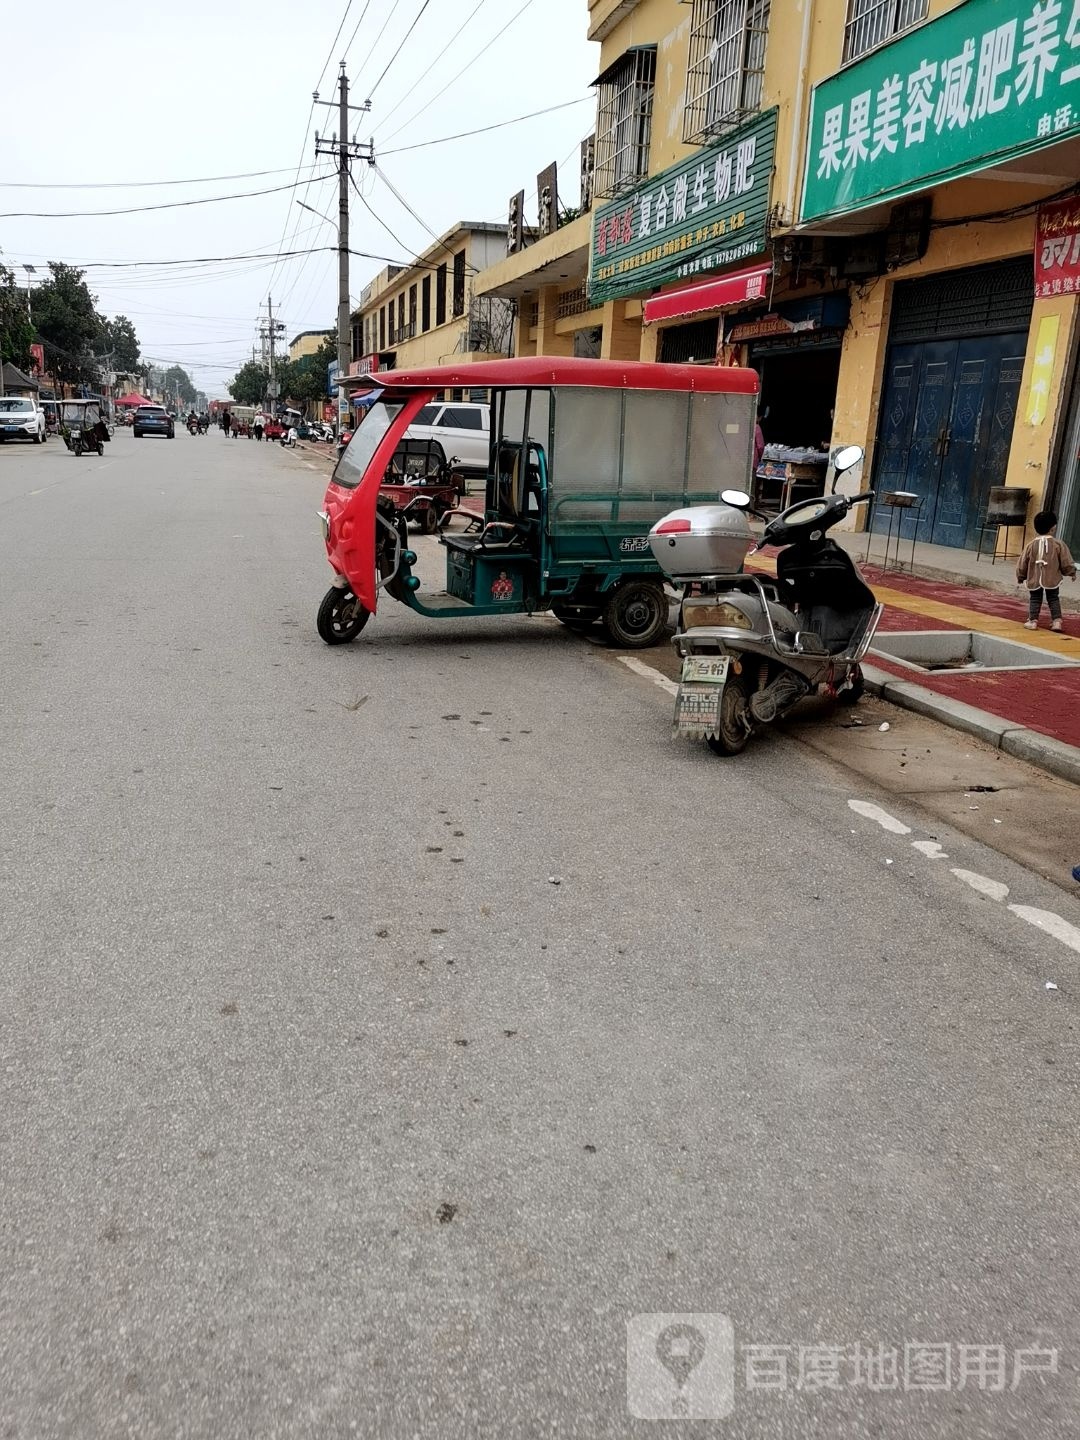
706, 212
990, 80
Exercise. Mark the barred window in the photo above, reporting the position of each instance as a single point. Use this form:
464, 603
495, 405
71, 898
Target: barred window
871, 22
624, 121
459, 283
727, 64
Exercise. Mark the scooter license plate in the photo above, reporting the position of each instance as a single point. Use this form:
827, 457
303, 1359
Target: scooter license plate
705, 669
697, 709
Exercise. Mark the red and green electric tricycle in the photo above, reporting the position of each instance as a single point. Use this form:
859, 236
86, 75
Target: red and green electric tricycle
585, 456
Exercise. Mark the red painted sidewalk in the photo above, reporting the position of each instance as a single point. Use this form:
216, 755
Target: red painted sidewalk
1046, 700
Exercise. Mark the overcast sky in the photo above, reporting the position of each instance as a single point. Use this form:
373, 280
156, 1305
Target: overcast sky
124, 96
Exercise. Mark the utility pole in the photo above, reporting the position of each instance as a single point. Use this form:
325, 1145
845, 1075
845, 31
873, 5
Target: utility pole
345, 151
268, 336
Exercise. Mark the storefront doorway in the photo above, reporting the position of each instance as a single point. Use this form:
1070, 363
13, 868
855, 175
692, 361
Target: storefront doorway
949, 400
798, 394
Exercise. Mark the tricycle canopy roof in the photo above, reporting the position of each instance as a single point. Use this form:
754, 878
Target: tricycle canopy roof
547, 370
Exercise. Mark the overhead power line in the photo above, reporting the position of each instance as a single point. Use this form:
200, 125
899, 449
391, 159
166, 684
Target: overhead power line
385, 27
483, 129
330, 52
356, 29
444, 50
134, 184
397, 52
144, 209
468, 64
419, 219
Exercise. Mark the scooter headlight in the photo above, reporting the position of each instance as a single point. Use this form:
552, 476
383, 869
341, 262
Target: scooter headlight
721, 614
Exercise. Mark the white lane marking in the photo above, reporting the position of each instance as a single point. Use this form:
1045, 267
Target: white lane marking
883, 818
648, 673
993, 889
1049, 922
309, 465
930, 848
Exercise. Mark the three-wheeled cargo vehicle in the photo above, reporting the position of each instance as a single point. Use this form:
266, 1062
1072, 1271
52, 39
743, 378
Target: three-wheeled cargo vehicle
421, 485
585, 456
82, 426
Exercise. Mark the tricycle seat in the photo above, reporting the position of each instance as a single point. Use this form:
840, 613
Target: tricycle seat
468, 543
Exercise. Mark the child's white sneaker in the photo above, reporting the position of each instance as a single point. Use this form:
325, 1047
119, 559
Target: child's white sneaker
1032, 625
1055, 625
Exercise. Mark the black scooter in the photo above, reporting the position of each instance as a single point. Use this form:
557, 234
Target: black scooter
753, 647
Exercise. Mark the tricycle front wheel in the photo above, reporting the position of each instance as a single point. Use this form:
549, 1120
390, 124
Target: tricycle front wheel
341, 617
636, 613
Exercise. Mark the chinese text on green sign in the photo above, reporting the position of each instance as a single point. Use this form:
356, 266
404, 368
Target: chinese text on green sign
708, 211
988, 81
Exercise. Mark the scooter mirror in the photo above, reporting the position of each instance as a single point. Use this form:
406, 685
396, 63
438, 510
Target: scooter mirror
738, 498
846, 457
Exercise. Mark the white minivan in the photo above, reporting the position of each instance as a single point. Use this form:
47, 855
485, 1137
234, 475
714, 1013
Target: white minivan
462, 428
21, 419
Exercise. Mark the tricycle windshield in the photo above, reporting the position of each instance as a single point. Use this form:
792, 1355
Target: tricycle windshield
361, 448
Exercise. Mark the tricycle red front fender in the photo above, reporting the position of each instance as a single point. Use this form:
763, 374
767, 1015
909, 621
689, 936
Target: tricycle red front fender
351, 542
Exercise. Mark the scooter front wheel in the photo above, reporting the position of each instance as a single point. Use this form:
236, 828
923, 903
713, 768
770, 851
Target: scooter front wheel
341, 617
733, 731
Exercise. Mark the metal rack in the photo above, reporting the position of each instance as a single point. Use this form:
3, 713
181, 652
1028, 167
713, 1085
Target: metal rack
898, 503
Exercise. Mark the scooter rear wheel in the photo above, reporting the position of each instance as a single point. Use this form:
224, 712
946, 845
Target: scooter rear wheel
854, 693
341, 617
733, 732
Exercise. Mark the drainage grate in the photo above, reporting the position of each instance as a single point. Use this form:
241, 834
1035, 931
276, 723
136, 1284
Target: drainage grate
963, 652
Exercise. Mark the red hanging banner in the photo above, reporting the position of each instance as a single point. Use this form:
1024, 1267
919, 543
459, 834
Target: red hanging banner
1057, 249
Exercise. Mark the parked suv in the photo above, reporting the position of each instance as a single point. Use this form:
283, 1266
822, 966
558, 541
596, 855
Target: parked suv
462, 428
21, 419
153, 420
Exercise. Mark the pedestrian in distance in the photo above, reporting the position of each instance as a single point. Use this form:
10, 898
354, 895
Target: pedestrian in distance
1042, 567
226, 421
258, 429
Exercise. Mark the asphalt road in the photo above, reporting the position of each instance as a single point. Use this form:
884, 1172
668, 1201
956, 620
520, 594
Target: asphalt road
385, 1030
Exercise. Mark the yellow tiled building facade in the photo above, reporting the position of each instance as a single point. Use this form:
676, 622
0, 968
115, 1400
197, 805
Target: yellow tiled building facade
428, 313
851, 196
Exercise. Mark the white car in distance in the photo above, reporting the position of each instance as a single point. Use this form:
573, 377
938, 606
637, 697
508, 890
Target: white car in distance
21, 418
462, 428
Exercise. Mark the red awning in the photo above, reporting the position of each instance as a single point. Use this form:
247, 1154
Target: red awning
715, 294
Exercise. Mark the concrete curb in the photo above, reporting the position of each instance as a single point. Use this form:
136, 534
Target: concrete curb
323, 451
1051, 755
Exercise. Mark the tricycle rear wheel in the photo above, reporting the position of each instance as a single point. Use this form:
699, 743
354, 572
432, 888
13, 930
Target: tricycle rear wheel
429, 520
635, 614
341, 617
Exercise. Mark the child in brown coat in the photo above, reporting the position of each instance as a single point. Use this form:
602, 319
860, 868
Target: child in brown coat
1041, 567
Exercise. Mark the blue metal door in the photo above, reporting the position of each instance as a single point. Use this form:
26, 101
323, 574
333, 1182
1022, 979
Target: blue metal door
914, 420
976, 444
945, 430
